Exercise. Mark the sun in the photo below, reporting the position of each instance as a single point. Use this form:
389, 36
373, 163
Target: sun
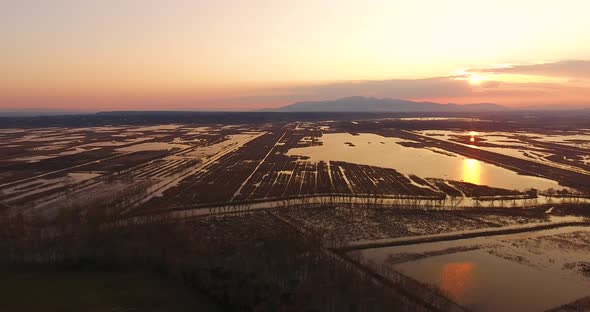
476, 79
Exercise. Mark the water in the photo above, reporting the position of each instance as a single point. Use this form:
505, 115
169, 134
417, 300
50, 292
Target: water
472, 272
152, 146
515, 147
483, 282
376, 150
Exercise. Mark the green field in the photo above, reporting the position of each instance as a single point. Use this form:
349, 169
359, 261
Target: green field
66, 291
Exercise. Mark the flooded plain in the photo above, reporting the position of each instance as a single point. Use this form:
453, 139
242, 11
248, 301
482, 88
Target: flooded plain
524, 145
483, 282
376, 150
385, 186
152, 146
532, 271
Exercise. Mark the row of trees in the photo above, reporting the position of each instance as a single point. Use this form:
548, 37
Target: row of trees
360, 205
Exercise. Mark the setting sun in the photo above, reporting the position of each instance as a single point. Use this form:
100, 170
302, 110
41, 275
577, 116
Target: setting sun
476, 79
182, 54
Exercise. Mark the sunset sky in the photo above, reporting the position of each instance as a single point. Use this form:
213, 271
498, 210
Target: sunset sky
247, 54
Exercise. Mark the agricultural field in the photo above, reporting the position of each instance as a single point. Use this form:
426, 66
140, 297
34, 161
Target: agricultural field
180, 166
420, 201
495, 273
44, 170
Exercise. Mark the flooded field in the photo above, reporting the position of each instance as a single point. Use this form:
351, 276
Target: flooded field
376, 150
176, 165
529, 146
482, 282
453, 215
498, 273
57, 167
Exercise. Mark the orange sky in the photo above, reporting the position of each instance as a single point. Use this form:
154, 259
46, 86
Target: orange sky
247, 54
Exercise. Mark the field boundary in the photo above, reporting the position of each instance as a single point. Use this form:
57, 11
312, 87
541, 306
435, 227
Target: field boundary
392, 242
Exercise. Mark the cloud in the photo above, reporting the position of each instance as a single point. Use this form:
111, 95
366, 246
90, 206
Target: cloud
572, 69
526, 94
450, 89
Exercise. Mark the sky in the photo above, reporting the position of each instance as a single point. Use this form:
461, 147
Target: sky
101, 55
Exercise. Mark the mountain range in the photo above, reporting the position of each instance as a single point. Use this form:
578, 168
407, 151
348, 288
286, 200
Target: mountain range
371, 104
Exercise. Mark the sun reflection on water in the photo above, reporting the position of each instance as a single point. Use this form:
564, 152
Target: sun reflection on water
472, 135
471, 171
456, 278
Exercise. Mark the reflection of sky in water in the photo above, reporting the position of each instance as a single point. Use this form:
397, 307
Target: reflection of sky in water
456, 278
471, 171
387, 152
484, 282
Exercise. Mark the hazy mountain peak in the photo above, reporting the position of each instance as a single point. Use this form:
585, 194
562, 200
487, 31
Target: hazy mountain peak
372, 104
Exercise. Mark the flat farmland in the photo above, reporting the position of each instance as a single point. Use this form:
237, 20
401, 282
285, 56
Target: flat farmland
43, 171
173, 166
299, 160
407, 201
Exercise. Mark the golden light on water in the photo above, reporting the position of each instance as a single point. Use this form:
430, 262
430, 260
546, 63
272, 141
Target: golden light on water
472, 134
456, 278
471, 171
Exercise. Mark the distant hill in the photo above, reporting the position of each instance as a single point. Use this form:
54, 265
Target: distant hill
370, 104
34, 113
